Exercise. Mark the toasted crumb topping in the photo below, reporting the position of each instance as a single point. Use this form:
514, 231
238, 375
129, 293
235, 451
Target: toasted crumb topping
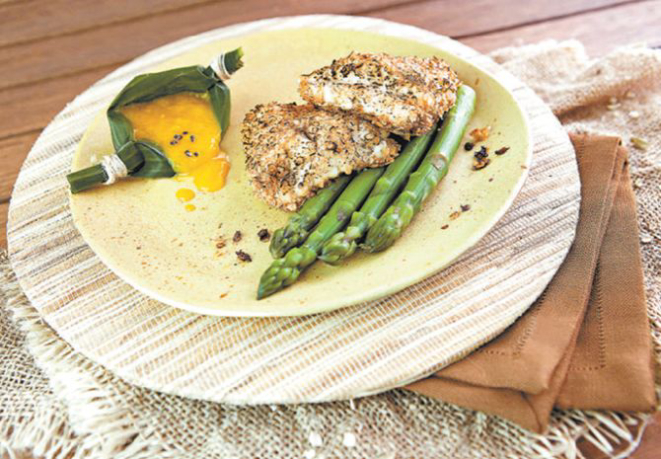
292, 150
481, 134
404, 95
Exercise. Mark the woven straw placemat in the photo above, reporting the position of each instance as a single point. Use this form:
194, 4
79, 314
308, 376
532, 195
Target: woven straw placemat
354, 351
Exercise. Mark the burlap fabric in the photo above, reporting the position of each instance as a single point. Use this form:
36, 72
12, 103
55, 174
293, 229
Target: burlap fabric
69, 407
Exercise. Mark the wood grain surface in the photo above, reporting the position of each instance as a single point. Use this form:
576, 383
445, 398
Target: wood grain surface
52, 50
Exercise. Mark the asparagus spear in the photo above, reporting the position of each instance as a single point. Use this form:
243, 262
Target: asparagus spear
284, 271
300, 224
343, 244
431, 171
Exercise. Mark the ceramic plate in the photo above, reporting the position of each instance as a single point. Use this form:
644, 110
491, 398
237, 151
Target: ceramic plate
145, 235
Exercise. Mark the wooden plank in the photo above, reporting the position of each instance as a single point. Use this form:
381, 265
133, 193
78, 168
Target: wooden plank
460, 19
13, 150
115, 43
24, 21
600, 31
28, 108
4, 207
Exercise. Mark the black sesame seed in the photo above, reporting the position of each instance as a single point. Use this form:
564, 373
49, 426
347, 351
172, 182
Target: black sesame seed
468, 146
177, 137
192, 138
196, 154
173, 142
184, 133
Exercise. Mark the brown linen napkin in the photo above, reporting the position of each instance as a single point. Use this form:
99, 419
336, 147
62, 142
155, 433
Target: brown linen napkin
556, 354
612, 366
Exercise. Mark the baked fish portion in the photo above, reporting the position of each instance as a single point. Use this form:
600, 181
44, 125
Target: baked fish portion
292, 150
404, 95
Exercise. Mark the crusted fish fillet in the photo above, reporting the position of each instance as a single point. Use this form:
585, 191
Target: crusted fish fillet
404, 95
294, 150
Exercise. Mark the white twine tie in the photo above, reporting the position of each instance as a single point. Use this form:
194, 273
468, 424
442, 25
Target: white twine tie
114, 168
217, 64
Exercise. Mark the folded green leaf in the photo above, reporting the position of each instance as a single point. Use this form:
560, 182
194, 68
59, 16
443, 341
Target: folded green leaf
145, 159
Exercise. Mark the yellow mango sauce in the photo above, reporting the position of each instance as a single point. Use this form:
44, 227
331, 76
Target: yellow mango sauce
186, 130
185, 194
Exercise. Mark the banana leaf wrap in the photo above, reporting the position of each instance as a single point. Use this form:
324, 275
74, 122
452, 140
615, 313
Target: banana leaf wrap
141, 158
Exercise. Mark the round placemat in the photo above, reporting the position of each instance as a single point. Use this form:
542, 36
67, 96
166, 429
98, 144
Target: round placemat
355, 351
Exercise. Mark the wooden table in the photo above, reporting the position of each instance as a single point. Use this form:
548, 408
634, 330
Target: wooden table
51, 50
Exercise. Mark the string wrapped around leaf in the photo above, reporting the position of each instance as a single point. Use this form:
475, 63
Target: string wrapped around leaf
143, 157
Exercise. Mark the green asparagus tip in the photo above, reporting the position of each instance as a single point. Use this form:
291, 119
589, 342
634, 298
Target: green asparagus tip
277, 277
384, 233
263, 291
285, 271
277, 243
284, 239
337, 249
267, 287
